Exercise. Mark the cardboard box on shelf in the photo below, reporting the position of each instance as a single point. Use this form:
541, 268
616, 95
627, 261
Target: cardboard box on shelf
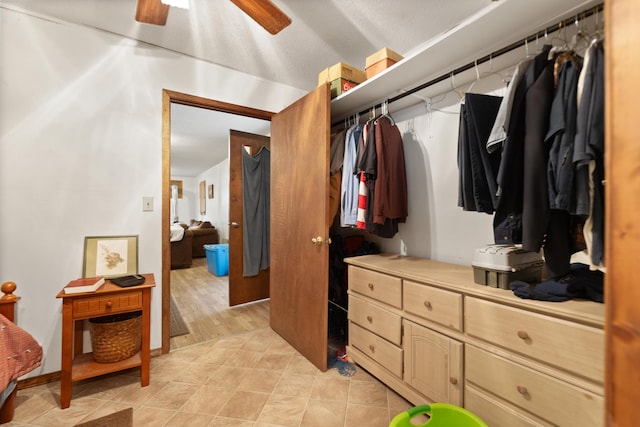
381, 60
342, 77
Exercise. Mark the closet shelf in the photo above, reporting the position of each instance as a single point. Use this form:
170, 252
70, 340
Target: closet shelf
498, 24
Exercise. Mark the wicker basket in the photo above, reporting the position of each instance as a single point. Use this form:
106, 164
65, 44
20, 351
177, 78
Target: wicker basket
116, 337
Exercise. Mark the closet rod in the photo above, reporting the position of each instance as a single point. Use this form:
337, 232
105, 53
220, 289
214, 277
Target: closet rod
513, 46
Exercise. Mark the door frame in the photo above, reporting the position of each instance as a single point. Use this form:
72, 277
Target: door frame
169, 97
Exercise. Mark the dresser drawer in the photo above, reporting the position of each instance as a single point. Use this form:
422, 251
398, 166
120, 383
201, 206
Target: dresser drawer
496, 412
381, 287
376, 319
551, 399
99, 305
573, 347
378, 349
437, 305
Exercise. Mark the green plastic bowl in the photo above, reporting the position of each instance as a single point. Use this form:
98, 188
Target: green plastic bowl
441, 415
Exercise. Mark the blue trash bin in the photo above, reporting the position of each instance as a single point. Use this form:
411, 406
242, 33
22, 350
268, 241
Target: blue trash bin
218, 259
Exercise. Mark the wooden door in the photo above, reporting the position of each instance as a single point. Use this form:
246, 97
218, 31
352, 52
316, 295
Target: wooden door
299, 212
622, 234
242, 289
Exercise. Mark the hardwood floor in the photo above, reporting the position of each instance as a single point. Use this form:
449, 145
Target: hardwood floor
202, 299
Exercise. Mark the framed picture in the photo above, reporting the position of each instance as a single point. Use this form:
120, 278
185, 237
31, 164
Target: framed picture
110, 256
210, 191
203, 200
177, 183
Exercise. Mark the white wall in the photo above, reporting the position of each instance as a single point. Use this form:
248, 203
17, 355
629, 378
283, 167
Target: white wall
187, 205
218, 207
80, 145
436, 227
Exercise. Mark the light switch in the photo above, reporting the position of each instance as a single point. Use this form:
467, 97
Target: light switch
147, 204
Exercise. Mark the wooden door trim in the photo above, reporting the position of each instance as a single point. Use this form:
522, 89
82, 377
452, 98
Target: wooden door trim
168, 97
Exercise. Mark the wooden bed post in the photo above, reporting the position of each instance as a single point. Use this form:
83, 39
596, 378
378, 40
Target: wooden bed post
7, 309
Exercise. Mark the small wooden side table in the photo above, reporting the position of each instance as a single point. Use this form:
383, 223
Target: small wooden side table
108, 299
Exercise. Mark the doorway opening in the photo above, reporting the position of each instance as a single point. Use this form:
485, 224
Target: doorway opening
169, 98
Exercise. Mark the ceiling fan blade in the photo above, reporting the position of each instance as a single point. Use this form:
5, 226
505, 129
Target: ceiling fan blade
152, 12
265, 13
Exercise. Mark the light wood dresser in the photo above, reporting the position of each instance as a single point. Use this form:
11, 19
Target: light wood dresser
429, 332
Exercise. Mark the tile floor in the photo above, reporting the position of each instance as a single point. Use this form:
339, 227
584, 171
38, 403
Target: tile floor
254, 379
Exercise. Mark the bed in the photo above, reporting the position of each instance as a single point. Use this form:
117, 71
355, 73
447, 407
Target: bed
20, 353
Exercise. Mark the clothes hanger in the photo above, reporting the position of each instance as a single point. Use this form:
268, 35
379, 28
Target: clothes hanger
480, 76
384, 109
452, 82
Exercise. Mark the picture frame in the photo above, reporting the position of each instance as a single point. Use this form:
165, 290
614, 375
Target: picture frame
177, 183
110, 256
210, 191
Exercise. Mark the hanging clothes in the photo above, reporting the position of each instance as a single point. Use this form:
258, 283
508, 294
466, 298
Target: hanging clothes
350, 180
507, 221
589, 148
501, 125
478, 168
336, 160
391, 200
256, 176
365, 168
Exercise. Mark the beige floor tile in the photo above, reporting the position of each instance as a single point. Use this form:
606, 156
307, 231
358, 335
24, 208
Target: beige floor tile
298, 385
274, 361
283, 410
330, 388
105, 388
300, 365
233, 342
56, 417
369, 416
280, 346
196, 373
136, 395
257, 343
244, 405
151, 417
183, 419
368, 393
172, 396
106, 409
260, 380
228, 377
322, 413
32, 403
230, 422
208, 399
243, 359
215, 355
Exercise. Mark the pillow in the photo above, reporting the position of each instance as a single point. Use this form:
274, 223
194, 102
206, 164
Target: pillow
206, 224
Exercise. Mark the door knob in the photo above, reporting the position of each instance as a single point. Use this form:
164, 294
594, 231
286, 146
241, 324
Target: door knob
235, 224
317, 241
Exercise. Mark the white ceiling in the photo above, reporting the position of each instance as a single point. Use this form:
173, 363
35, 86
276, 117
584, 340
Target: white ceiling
322, 33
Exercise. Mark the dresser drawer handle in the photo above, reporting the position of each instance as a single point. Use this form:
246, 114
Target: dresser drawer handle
522, 389
371, 286
109, 304
428, 305
372, 348
453, 380
370, 319
523, 335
